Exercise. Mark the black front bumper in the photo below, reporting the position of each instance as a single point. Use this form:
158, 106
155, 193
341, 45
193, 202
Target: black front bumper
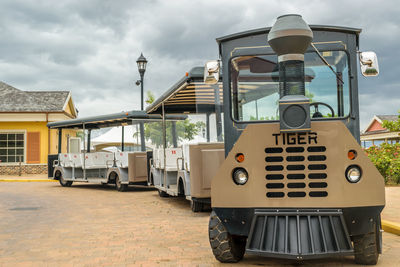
298, 234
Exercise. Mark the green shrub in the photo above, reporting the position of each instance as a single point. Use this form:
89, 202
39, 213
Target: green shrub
386, 158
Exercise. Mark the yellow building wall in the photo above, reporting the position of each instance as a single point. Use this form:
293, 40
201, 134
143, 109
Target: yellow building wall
54, 140
46, 144
68, 108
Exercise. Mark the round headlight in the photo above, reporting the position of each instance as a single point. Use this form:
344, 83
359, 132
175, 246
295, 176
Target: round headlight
353, 174
240, 176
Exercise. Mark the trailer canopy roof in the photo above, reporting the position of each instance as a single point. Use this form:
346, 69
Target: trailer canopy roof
189, 95
109, 120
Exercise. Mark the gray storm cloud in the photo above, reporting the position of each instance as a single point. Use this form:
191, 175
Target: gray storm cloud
90, 47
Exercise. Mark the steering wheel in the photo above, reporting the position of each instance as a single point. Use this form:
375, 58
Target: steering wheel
318, 114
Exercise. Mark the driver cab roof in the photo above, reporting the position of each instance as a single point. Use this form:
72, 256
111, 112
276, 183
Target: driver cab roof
266, 30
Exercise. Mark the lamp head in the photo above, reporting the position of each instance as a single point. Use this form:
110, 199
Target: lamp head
141, 63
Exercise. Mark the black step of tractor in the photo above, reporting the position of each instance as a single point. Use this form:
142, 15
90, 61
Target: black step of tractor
298, 234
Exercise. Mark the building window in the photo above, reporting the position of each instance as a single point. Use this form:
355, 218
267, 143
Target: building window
12, 147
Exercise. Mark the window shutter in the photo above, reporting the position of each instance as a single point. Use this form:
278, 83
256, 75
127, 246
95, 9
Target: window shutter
33, 147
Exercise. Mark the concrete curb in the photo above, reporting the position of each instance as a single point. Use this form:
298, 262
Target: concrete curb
391, 227
27, 180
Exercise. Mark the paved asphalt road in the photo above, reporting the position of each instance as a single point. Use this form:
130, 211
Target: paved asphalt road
44, 224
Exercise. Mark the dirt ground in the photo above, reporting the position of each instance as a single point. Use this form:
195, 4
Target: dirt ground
44, 224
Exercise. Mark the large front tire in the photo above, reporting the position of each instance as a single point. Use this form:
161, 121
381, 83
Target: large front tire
225, 247
366, 247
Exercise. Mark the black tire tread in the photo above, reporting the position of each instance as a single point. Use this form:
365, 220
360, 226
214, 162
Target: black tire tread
162, 193
225, 247
120, 187
366, 248
196, 206
64, 183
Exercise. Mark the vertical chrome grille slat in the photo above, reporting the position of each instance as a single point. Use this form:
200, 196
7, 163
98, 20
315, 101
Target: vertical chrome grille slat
322, 234
311, 234
334, 233
298, 234
274, 237
263, 233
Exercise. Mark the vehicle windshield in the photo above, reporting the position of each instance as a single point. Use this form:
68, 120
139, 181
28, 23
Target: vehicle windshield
255, 86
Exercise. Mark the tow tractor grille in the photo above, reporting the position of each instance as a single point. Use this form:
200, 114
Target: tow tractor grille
296, 172
298, 233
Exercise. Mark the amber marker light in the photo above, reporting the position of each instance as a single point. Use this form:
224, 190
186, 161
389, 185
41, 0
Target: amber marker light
239, 157
352, 154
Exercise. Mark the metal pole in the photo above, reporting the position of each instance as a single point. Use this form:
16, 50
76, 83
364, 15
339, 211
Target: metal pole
123, 141
141, 90
218, 119
88, 140
84, 152
164, 145
208, 126
173, 132
256, 110
137, 135
59, 140
142, 141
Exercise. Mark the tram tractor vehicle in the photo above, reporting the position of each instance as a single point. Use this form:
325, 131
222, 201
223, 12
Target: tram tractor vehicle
295, 182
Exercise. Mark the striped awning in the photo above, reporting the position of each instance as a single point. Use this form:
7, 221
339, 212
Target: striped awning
196, 94
189, 95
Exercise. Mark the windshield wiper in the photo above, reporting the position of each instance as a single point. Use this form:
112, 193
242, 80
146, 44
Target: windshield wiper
326, 63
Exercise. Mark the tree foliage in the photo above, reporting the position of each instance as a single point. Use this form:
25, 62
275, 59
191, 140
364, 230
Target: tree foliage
185, 130
386, 159
150, 98
393, 126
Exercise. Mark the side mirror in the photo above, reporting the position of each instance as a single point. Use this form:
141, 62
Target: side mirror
369, 64
211, 72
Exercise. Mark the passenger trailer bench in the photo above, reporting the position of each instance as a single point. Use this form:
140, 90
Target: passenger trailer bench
187, 169
121, 168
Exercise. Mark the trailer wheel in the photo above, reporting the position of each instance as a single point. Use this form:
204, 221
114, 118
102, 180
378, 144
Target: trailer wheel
196, 206
225, 247
63, 182
366, 250
120, 187
162, 193
181, 188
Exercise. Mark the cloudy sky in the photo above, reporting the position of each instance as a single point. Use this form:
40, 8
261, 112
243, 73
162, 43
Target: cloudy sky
90, 47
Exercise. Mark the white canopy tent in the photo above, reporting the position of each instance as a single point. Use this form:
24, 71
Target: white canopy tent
112, 139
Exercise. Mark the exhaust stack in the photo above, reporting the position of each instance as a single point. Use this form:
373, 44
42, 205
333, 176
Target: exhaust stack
289, 38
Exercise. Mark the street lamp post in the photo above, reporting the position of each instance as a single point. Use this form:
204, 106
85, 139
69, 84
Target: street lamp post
141, 63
